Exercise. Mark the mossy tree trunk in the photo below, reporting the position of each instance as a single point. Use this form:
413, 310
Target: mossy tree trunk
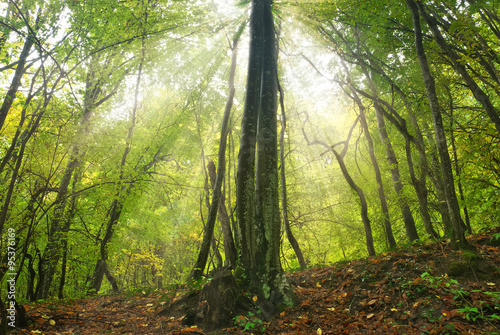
259, 222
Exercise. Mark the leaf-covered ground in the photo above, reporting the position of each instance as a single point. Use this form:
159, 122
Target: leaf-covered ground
421, 289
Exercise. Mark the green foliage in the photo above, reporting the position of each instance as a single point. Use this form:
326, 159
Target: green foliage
87, 57
471, 305
250, 322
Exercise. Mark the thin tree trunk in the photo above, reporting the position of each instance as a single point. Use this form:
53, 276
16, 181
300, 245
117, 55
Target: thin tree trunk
201, 261
457, 166
223, 216
418, 183
411, 230
284, 199
362, 199
378, 176
115, 210
101, 265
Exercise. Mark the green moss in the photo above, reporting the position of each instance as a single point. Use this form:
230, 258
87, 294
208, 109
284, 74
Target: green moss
470, 256
457, 268
266, 291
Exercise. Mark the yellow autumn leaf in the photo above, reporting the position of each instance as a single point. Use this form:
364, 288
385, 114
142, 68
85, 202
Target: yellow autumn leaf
254, 298
52, 322
369, 316
318, 284
319, 331
331, 309
394, 309
490, 284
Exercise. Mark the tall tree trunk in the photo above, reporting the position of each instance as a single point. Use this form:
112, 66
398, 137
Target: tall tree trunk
245, 177
457, 236
258, 191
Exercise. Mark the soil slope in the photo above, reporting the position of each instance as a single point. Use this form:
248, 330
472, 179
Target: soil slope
420, 289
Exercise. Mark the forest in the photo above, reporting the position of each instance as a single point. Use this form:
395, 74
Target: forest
146, 144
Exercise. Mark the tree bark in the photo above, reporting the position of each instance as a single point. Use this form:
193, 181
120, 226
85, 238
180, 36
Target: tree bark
245, 177
258, 189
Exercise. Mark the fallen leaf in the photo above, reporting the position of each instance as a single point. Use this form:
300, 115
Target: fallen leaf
371, 302
331, 309
254, 298
318, 284
305, 303
369, 316
52, 322
490, 284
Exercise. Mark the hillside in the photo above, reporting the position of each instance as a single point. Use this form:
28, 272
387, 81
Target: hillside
419, 289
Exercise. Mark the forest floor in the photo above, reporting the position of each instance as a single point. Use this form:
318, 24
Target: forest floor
419, 289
